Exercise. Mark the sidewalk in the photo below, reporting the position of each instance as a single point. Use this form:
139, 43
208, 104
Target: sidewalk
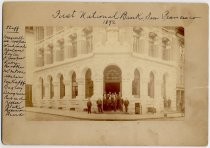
101, 117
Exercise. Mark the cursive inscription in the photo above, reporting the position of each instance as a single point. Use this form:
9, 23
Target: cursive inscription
113, 17
13, 71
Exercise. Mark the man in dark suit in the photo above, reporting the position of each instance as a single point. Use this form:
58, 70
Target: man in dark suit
99, 104
121, 104
126, 103
89, 105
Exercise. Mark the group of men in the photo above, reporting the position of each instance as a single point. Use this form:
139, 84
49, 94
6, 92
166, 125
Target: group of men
111, 102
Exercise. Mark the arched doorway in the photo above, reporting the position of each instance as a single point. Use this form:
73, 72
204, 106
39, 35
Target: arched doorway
112, 79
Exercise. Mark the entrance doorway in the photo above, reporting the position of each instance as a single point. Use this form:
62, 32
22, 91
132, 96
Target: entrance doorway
112, 80
112, 88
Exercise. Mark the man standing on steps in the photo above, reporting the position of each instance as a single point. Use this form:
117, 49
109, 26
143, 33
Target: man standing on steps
89, 105
126, 103
99, 104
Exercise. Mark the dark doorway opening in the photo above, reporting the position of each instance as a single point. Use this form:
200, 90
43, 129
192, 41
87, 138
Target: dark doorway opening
112, 87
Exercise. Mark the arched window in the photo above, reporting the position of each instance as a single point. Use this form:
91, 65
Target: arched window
74, 86
151, 87
62, 87
152, 47
165, 49
88, 84
136, 84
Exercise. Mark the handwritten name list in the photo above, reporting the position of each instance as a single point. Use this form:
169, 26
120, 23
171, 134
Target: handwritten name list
13, 71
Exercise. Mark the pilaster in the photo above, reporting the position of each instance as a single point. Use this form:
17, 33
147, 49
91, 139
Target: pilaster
126, 86
67, 48
145, 37
81, 43
47, 91
56, 90
81, 88
68, 89
144, 92
159, 102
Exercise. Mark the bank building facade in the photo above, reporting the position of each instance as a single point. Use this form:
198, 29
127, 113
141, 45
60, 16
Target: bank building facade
67, 66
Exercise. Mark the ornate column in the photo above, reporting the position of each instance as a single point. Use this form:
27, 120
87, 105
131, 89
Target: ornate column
145, 36
58, 50
144, 91
45, 55
56, 90
38, 94
126, 85
55, 51
81, 94
34, 95
40, 56
159, 47
170, 48
81, 88
47, 91
135, 47
47, 95
44, 48
67, 47
141, 44
172, 90
56, 94
80, 42
137, 39
68, 89
98, 86
97, 89
169, 52
48, 54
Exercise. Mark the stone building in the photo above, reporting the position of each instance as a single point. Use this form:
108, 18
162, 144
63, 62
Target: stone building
66, 66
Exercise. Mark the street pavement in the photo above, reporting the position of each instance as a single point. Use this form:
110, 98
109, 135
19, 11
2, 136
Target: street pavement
35, 116
45, 114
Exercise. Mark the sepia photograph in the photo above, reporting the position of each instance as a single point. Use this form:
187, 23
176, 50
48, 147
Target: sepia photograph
104, 73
